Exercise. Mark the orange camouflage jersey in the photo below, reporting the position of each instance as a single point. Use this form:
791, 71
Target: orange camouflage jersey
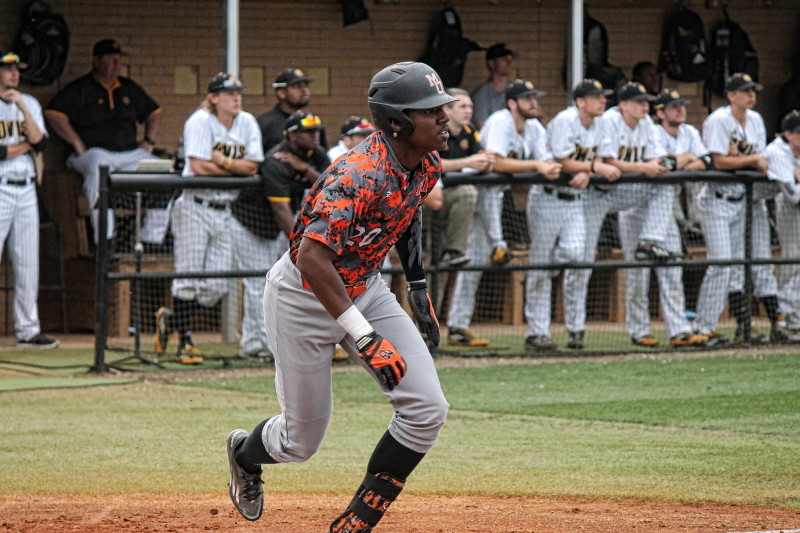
362, 205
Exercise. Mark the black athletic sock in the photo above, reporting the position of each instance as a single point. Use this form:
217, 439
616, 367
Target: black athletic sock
393, 458
251, 453
182, 317
738, 305
771, 307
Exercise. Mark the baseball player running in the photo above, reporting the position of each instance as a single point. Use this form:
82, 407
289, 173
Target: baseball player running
519, 142
783, 156
22, 136
574, 136
685, 150
629, 143
219, 140
326, 290
736, 137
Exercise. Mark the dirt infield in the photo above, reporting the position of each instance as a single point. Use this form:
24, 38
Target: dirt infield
410, 514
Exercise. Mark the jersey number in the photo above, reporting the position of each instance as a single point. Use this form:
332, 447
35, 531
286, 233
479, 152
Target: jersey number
366, 239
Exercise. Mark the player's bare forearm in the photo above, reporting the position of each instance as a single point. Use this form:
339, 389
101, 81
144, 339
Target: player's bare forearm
315, 263
283, 216
737, 162
572, 166
16, 150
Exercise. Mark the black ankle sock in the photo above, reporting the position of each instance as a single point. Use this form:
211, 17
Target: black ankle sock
771, 307
251, 453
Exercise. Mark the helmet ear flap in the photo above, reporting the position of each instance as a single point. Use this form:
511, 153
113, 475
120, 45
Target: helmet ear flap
391, 121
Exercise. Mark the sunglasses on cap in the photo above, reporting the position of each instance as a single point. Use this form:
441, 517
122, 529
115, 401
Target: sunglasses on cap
311, 121
9, 59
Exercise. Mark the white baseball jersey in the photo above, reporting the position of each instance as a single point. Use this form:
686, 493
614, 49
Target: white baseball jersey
568, 138
636, 145
500, 135
688, 141
13, 131
203, 133
721, 129
782, 164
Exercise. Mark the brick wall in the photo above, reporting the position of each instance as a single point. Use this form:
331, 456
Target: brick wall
164, 35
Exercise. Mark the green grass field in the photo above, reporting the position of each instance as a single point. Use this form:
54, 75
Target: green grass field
720, 429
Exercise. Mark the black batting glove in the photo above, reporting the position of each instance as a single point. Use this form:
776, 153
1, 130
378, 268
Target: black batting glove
422, 307
383, 359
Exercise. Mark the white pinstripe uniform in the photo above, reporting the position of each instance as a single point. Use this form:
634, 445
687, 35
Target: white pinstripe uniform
500, 135
722, 207
655, 200
783, 167
556, 212
201, 218
19, 215
688, 141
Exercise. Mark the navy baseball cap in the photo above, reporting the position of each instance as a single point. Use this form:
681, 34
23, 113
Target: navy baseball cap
224, 82
634, 91
518, 88
356, 126
791, 122
668, 97
107, 46
10, 58
741, 82
302, 121
588, 87
290, 76
498, 50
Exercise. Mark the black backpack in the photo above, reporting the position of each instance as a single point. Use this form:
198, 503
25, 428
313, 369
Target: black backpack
595, 53
42, 43
684, 52
446, 50
731, 52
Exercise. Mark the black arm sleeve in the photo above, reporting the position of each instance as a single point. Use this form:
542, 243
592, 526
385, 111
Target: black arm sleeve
40, 146
409, 248
3, 152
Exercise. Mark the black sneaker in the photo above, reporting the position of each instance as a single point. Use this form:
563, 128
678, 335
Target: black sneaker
778, 335
575, 340
650, 251
464, 337
38, 341
716, 339
755, 336
540, 343
244, 488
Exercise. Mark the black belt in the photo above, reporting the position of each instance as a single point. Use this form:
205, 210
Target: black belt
602, 188
732, 199
219, 206
561, 195
18, 183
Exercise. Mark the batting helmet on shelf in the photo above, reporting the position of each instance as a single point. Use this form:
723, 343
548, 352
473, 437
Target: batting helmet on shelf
403, 86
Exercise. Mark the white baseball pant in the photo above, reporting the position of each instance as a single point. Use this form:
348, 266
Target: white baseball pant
788, 216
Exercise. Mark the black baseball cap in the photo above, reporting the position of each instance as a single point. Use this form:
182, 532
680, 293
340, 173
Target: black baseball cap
668, 97
634, 91
224, 82
498, 50
791, 122
355, 126
290, 76
741, 82
107, 46
588, 87
10, 58
302, 121
518, 88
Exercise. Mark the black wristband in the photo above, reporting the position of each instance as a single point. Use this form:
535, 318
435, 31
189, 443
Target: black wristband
3, 152
149, 141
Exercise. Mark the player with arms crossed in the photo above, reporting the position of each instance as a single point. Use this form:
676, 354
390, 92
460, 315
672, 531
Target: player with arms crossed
220, 140
736, 137
574, 135
326, 290
783, 156
22, 137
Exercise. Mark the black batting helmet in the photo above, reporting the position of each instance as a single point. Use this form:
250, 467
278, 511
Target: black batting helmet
402, 86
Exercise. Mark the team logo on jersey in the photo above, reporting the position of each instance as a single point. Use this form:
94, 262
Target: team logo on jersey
126, 100
512, 154
7, 128
434, 80
464, 144
583, 153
